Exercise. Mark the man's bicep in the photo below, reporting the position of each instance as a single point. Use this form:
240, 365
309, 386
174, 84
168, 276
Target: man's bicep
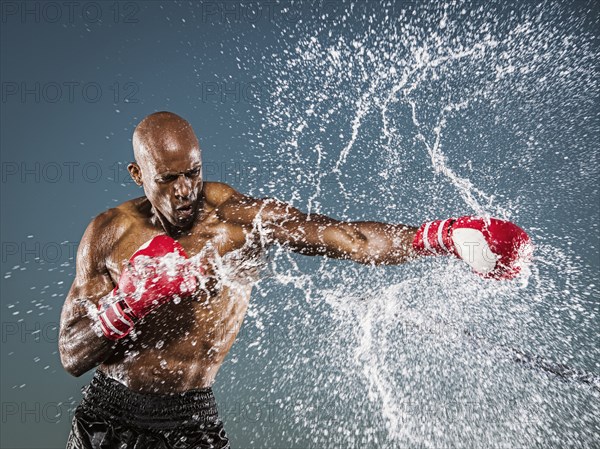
284, 224
310, 234
81, 343
92, 280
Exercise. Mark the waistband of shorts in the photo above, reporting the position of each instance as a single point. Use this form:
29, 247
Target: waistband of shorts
109, 397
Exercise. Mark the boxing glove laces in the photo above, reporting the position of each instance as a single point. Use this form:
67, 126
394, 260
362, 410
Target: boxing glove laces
494, 248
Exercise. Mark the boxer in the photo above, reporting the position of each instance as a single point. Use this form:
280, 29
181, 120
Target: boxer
149, 307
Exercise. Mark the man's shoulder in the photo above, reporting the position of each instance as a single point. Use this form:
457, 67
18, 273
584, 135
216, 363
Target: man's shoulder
230, 205
116, 220
123, 212
219, 193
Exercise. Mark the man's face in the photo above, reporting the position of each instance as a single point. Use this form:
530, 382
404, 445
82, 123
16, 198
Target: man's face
172, 182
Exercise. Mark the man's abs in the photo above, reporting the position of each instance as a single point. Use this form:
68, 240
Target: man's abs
180, 346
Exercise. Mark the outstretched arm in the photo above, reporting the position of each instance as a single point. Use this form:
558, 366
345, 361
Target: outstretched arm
494, 248
366, 242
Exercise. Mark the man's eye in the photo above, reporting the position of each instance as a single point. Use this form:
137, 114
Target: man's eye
193, 173
166, 179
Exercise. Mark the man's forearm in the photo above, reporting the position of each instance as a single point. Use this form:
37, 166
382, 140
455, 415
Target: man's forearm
81, 348
383, 243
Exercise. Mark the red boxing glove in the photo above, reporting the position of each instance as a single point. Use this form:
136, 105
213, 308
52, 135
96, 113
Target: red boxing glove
157, 272
495, 250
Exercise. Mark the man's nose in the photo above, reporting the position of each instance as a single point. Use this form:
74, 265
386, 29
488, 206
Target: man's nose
183, 187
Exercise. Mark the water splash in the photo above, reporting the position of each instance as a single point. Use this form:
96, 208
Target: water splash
403, 112
406, 113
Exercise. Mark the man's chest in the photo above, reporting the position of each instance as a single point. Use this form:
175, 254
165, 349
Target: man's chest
210, 238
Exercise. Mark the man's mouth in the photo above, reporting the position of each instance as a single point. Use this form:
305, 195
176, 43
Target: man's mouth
185, 209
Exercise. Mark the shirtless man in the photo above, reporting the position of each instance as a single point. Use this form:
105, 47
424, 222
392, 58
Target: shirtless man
154, 332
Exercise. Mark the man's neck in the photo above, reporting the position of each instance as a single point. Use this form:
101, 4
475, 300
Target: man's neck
158, 220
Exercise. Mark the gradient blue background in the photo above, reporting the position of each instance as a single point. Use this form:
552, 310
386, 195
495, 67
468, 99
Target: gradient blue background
145, 56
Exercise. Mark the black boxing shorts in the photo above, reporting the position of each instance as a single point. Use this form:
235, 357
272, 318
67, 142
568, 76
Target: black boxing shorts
111, 416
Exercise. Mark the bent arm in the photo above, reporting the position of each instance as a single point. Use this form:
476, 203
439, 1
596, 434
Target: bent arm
366, 242
81, 347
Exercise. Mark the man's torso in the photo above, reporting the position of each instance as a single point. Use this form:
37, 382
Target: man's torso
182, 345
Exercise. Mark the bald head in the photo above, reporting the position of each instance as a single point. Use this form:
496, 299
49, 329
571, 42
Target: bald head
168, 166
160, 135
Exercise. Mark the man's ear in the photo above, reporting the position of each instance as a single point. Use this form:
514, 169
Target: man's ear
136, 173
